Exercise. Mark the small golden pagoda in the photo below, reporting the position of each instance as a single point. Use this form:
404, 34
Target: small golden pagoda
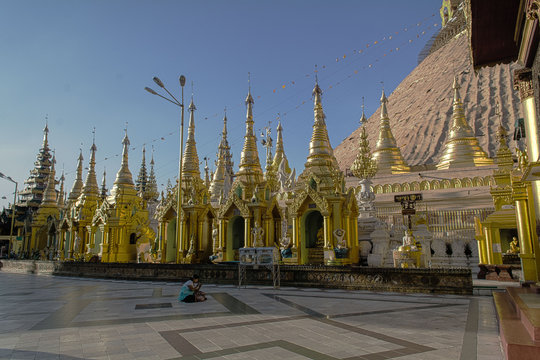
251, 216
280, 156
322, 213
223, 176
495, 233
83, 210
45, 221
197, 215
29, 199
461, 148
387, 154
120, 224
364, 167
284, 177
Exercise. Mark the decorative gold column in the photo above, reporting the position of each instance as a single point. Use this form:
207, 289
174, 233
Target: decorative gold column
267, 234
327, 232
71, 243
247, 232
482, 253
523, 82
200, 236
180, 243
528, 264
489, 245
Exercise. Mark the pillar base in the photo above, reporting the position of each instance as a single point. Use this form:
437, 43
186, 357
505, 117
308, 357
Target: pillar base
528, 267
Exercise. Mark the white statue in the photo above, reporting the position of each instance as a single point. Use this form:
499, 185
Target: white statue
215, 233
341, 243
286, 181
257, 233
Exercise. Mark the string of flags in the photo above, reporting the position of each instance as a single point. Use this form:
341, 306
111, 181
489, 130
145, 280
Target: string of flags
349, 58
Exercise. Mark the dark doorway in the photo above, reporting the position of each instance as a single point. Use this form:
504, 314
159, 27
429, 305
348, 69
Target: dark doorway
238, 233
314, 223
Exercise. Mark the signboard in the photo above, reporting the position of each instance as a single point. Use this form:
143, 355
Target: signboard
408, 211
407, 198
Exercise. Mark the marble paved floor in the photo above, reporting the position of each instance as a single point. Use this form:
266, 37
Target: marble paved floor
45, 317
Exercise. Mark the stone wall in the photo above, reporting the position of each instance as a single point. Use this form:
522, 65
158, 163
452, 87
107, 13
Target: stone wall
443, 281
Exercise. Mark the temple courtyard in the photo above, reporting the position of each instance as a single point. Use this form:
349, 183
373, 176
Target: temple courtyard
48, 317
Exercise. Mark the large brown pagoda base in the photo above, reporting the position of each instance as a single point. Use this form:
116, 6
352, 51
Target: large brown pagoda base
442, 281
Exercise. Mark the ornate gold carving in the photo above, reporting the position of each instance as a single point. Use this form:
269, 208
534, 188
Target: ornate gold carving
523, 83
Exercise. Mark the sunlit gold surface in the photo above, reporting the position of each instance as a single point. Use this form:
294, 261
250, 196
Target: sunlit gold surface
461, 148
190, 165
387, 154
250, 170
364, 167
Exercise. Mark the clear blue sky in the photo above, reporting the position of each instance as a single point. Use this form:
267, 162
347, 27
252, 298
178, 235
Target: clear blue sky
86, 63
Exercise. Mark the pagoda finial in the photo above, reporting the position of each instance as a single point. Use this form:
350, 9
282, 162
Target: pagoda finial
206, 173
384, 102
363, 118
456, 88
249, 98
46, 133
317, 92
90, 187
103, 184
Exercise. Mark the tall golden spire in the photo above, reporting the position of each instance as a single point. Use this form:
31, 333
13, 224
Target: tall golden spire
387, 154
60, 198
320, 150
280, 152
461, 148
104, 185
218, 180
49, 195
224, 148
217, 185
124, 178
142, 178
151, 186
190, 162
76, 189
250, 170
91, 186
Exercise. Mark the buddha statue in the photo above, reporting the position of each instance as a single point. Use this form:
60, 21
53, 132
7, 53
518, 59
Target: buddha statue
514, 246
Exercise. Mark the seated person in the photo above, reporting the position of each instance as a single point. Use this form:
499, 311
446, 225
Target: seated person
190, 291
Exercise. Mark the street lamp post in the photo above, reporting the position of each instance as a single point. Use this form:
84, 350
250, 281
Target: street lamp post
8, 178
174, 101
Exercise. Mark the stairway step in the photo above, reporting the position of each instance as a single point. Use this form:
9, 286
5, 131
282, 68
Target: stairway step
515, 338
526, 301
